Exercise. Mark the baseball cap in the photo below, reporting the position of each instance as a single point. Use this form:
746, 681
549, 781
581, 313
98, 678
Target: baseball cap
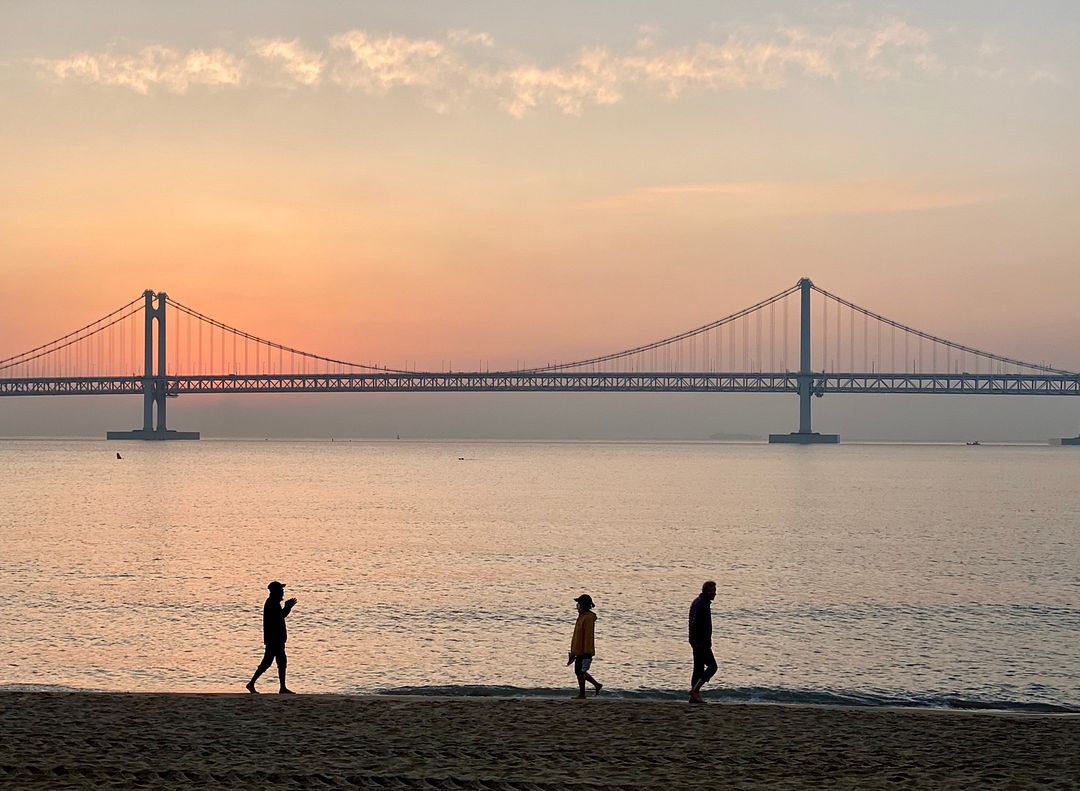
585, 599
275, 584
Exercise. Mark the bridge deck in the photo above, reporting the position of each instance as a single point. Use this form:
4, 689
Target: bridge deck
626, 382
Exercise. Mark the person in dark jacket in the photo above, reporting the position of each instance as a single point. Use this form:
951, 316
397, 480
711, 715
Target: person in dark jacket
701, 640
274, 635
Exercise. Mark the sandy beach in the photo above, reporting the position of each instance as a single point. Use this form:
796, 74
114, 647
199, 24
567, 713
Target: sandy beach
60, 740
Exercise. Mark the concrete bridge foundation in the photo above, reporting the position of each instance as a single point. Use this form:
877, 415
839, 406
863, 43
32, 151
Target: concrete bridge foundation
799, 438
138, 433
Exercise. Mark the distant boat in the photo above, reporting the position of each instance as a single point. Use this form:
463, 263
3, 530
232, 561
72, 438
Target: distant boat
976, 442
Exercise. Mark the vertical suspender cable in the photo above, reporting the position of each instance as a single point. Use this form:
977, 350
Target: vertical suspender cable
786, 340
892, 342
746, 328
838, 360
758, 347
851, 340
865, 344
772, 337
824, 333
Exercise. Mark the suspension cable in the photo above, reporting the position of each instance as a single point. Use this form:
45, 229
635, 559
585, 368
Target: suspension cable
666, 341
935, 339
76, 332
281, 347
11, 362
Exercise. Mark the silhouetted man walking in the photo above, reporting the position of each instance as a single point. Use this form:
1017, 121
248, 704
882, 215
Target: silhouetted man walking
274, 635
701, 640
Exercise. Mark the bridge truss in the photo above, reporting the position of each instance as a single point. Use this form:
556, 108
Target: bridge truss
548, 382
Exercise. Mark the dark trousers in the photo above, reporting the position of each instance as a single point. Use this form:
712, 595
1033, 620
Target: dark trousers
273, 652
704, 664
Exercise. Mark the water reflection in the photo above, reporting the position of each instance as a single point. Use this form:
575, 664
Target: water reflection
906, 570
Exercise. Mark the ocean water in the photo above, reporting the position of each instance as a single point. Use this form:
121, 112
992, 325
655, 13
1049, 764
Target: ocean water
863, 574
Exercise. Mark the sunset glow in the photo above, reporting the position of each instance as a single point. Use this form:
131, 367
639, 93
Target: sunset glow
412, 187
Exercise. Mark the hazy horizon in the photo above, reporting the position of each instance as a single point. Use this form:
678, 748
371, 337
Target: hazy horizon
557, 416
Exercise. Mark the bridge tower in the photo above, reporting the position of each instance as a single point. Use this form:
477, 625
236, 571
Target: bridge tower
805, 435
155, 388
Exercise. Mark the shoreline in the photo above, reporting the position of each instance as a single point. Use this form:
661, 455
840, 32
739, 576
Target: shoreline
238, 740
610, 696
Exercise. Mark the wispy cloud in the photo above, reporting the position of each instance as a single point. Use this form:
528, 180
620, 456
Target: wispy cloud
299, 67
1037, 75
151, 68
466, 66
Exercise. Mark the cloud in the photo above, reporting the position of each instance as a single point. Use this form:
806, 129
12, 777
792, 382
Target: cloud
376, 65
647, 35
468, 37
299, 67
151, 67
1037, 75
594, 78
464, 66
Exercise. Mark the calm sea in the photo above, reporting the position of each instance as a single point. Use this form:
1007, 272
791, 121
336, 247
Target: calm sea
922, 575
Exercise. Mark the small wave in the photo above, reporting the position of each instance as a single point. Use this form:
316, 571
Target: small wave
44, 688
872, 699
765, 695
476, 691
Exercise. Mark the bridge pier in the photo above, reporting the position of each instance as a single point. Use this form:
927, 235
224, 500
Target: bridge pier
138, 433
805, 435
804, 438
155, 388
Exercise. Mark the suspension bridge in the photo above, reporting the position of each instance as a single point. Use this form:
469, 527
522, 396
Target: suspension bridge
803, 341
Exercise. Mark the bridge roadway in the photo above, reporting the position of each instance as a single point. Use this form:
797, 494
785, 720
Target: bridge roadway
557, 382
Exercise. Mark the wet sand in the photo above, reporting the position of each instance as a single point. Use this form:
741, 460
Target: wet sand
63, 740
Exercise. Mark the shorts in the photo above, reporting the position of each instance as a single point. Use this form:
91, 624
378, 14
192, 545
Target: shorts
582, 664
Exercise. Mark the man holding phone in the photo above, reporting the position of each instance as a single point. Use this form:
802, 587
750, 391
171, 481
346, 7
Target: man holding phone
274, 635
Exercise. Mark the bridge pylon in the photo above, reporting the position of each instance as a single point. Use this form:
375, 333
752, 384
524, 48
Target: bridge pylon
155, 387
805, 435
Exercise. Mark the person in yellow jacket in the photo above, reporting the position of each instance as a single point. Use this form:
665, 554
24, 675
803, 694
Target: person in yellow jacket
581, 645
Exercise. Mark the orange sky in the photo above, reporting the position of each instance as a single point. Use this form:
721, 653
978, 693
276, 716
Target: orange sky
416, 188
